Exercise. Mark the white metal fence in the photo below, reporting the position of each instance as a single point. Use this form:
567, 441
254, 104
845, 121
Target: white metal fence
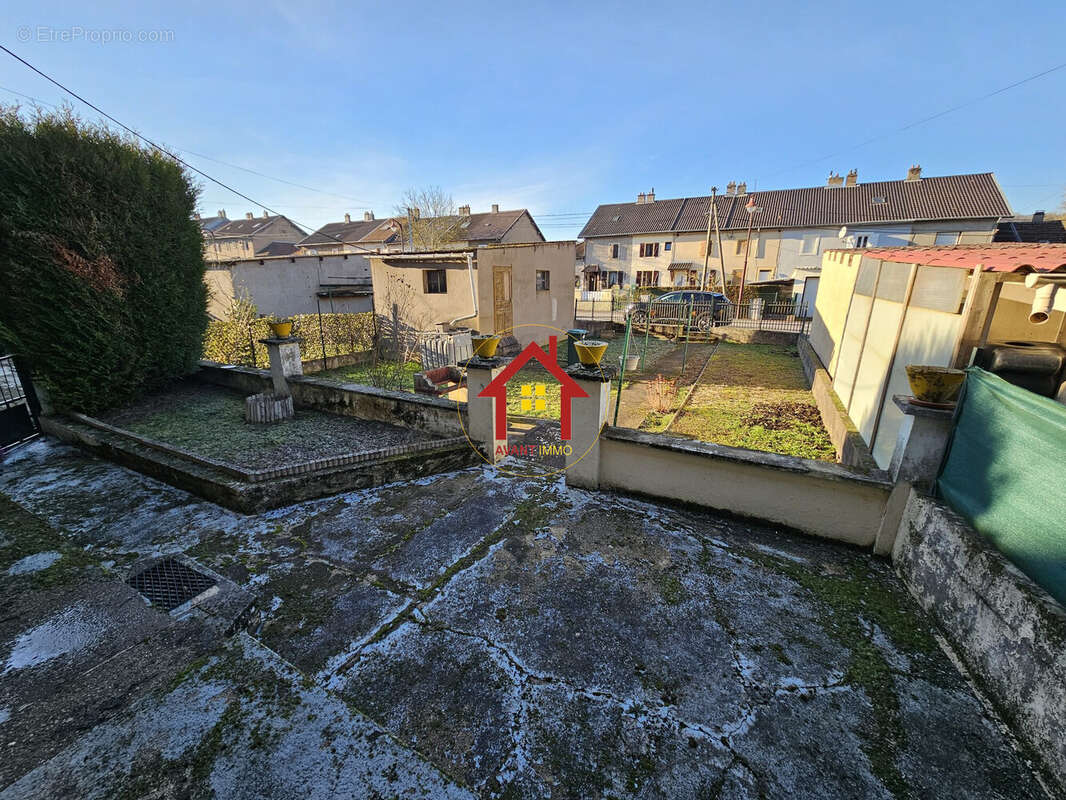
444, 349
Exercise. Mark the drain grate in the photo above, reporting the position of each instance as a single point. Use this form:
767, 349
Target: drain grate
169, 583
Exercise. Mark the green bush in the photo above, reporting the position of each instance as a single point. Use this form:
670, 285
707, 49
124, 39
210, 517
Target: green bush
100, 260
236, 340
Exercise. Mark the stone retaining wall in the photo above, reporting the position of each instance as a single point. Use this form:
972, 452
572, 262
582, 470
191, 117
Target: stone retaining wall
1009, 633
418, 412
850, 447
333, 362
259, 490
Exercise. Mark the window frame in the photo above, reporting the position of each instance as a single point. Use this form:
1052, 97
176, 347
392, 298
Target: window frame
546, 276
435, 281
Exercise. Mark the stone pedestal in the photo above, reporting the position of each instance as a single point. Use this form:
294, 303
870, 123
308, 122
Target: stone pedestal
588, 415
284, 362
482, 411
920, 444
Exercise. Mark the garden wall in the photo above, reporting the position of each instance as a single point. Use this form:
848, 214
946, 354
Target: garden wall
429, 414
851, 449
1010, 633
823, 500
334, 362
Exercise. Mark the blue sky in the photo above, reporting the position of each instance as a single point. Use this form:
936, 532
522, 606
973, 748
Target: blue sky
559, 108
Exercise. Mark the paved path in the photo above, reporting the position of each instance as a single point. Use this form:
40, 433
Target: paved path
466, 635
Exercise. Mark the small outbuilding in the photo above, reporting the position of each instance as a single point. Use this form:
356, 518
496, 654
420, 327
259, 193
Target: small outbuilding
879, 310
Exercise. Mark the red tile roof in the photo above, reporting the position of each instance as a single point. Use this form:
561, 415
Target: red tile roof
994, 257
935, 198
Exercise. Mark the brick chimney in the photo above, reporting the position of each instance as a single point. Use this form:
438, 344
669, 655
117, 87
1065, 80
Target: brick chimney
249, 215
852, 178
368, 216
914, 173
640, 198
265, 214
196, 216
742, 188
650, 196
495, 208
834, 180
347, 217
464, 211
222, 213
1038, 216
731, 188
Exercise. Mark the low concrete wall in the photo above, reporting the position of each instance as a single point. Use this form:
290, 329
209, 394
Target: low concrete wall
211, 481
821, 499
429, 414
753, 336
1009, 632
333, 362
851, 449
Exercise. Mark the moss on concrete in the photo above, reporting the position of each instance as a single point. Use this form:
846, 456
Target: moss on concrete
24, 534
858, 600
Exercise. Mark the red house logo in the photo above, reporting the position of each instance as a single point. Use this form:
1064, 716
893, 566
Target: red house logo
569, 388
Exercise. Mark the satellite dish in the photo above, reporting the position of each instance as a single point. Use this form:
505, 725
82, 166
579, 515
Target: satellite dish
843, 233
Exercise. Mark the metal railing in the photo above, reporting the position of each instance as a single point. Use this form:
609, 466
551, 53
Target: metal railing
754, 314
610, 308
11, 391
444, 349
18, 404
758, 315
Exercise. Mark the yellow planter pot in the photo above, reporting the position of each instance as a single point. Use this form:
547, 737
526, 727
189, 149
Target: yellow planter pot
281, 330
934, 384
590, 351
485, 344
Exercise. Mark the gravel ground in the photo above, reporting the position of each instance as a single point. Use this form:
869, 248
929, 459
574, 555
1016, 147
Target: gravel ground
210, 421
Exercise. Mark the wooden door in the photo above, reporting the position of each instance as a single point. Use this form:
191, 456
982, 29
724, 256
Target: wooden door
502, 312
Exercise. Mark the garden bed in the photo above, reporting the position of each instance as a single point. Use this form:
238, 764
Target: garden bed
209, 421
755, 396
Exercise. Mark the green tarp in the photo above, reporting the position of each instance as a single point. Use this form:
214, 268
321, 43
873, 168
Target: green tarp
1006, 473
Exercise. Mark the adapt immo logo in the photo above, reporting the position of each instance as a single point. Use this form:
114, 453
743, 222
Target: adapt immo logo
533, 396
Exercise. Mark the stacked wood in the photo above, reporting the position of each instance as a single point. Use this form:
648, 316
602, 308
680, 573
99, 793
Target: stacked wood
267, 407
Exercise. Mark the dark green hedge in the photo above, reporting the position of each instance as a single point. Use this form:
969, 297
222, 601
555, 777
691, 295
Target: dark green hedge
101, 263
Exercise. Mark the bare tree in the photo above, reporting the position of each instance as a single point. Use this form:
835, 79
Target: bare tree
434, 221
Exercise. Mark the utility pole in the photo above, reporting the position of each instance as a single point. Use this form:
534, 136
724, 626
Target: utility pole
721, 253
752, 210
707, 246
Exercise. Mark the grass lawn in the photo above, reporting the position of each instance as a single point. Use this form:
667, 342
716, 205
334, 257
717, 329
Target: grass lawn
209, 421
755, 396
384, 375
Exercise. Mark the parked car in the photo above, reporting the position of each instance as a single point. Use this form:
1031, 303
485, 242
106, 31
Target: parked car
707, 309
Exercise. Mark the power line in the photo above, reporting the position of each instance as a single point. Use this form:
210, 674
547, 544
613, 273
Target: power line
178, 159
923, 120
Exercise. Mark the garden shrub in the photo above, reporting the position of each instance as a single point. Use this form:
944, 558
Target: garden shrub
100, 259
236, 340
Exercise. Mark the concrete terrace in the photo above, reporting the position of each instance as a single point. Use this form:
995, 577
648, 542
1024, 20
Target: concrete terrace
467, 635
